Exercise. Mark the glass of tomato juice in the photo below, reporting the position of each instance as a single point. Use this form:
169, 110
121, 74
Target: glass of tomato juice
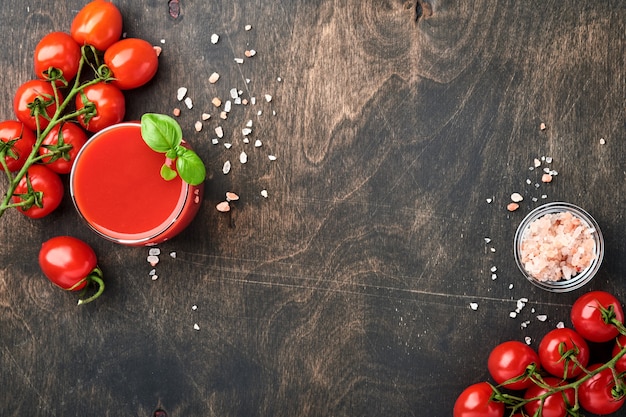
117, 188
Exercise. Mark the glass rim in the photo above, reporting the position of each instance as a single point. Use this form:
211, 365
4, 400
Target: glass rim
578, 280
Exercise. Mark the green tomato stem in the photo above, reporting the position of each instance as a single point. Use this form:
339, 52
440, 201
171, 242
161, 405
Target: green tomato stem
94, 277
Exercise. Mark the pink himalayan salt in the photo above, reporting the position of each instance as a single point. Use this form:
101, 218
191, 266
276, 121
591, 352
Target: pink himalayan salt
557, 246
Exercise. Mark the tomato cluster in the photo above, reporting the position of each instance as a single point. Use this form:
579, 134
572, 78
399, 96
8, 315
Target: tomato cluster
562, 378
79, 89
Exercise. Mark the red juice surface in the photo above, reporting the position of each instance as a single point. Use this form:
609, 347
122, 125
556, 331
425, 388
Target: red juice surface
118, 189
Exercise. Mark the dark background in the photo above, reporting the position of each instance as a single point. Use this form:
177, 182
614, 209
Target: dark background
347, 291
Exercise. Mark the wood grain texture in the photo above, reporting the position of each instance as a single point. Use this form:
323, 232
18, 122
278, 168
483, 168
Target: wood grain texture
345, 292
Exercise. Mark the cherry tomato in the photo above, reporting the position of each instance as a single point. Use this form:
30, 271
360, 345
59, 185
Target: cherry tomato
99, 24
589, 320
511, 360
32, 91
18, 143
71, 264
109, 102
132, 61
558, 342
554, 405
596, 393
620, 344
57, 50
476, 401
45, 191
70, 135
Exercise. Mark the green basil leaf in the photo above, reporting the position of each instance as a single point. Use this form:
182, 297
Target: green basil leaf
167, 173
160, 132
190, 167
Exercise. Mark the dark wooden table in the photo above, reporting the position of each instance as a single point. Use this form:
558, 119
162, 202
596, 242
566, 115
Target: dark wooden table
362, 285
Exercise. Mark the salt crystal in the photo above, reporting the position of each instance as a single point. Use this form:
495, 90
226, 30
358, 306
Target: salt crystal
215, 38
227, 105
250, 53
198, 126
153, 260
152, 272
542, 317
492, 250
264, 193
602, 141
489, 201
196, 327
239, 60
219, 131
154, 251
237, 100
224, 115
188, 103
494, 277
176, 112
216, 101
223, 207
528, 340
537, 163
510, 286
249, 123
173, 255
194, 307
248, 27
215, 141
542, 126
181, 93
226, 167
512, 206
230, 196
246, 140
253, 100
246, 131
474, 306
271, 157
258, 143
516, 197
228, 145
494, 269
560, 325
525, 324
206, 116
546, 178
214, 77
487, 240
512, 314
234, 93
243, 157
268, 98
155, 277
549, 159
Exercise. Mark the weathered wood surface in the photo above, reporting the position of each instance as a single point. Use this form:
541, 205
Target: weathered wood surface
346, 291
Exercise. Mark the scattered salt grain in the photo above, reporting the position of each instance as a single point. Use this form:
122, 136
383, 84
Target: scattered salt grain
153, 260
214, 77
206, 116
215, 141
512, 314
489, 200
234, 93
243, 157
250, 53
512, 206
525, 324
264, 193
258, 143
219, 131
215, 38
226, 167
546, 178
487, 240
152, 272
227, 106
271, 157
181, 93
248, 27
246, 131
494, 269
537, 163
173, 255
228, 145
268, 98
474, 306
155, 277
560, 325
198, 126
194, 307
230, 196
196, 327
510, 286
528, 340
158, 50
223, 207
494, 277
602, 141
516, 197
542, 317
188, 103
542, 126
216, 102
239, 60
176, 112
154, 251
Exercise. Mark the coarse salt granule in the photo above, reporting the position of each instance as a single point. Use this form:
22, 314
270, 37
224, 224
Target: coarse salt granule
474, 306
557, 246
181, 93
215, 38
214, 77
226, 167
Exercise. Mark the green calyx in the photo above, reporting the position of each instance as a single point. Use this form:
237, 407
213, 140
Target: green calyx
164, 135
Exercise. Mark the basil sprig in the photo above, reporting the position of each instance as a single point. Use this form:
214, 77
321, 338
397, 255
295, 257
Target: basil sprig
163, 134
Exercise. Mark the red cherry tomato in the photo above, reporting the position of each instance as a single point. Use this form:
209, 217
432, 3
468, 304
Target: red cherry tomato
57, 50
109, 102
589, 320
558, 342
99, 24
32, 91
596, 393
71, 264
476, 401
620, 344
511, 360
132, 61
18, 143
71, 134
554, 405
45, 191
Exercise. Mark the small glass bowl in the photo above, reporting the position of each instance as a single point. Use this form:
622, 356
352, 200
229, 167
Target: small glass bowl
582, 277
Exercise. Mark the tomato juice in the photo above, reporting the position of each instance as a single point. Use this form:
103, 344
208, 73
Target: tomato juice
117, 188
